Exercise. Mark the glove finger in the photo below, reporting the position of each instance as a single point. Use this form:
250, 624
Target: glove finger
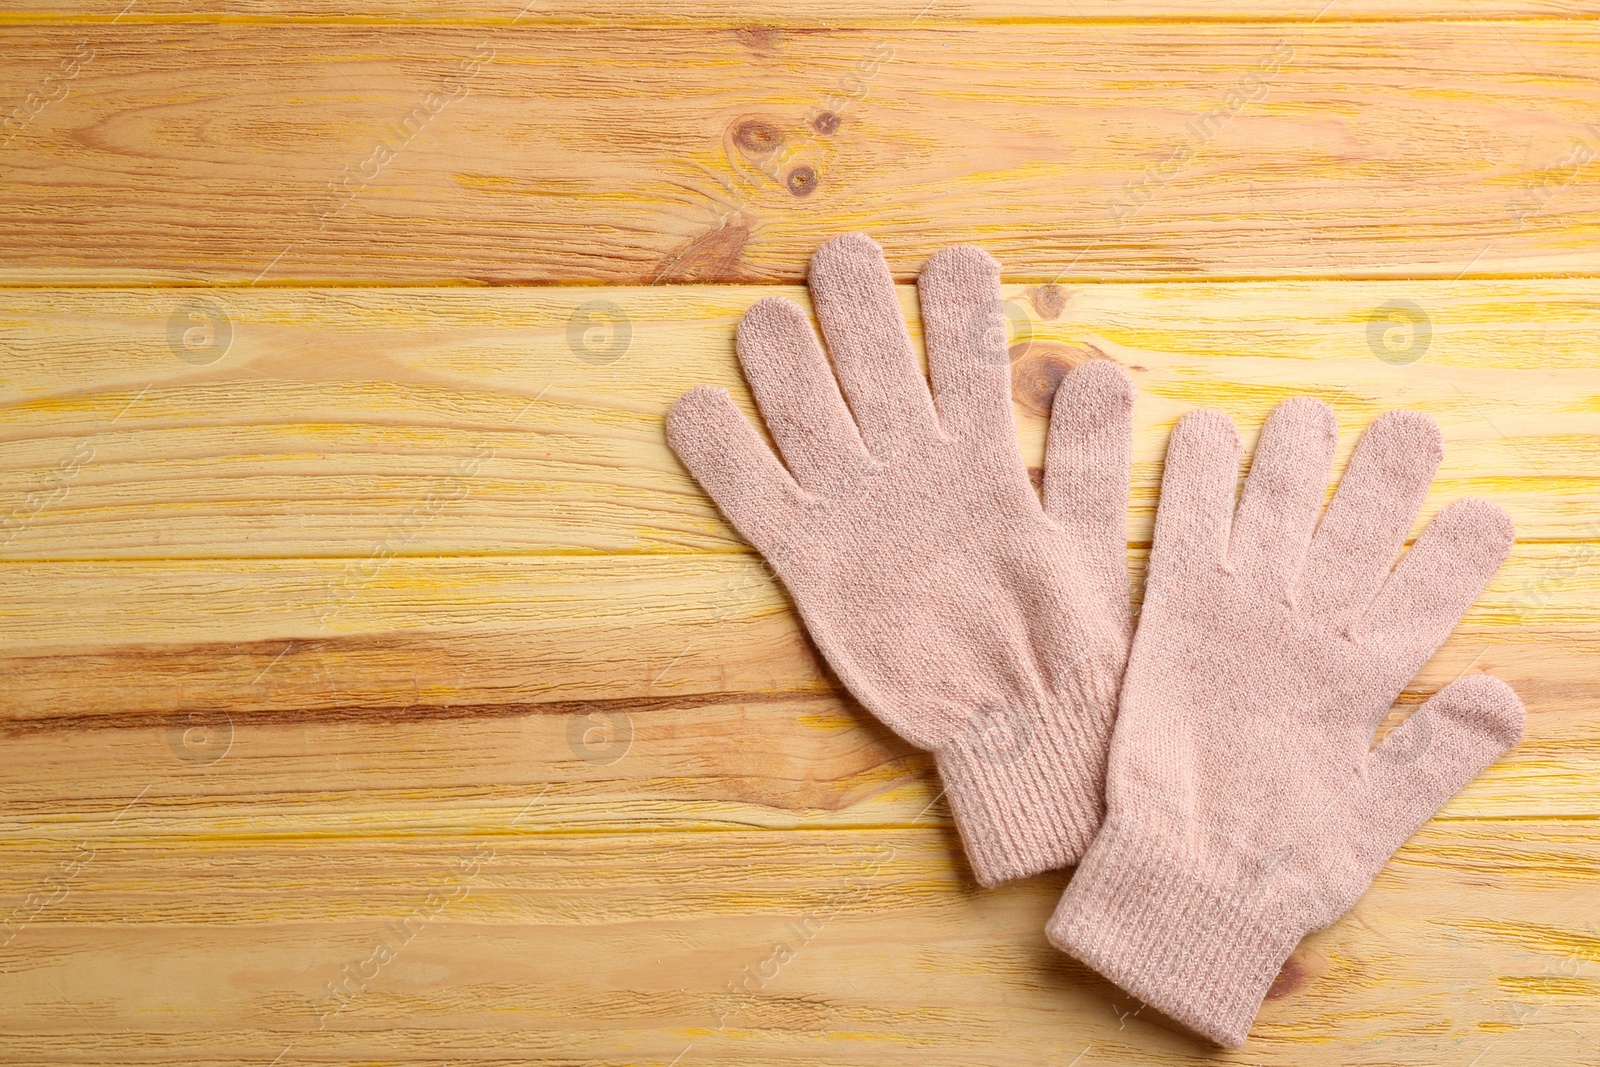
1088, 461
1198, 489
797, 393
1367, 522
1424, 762
1284, 490
1433, 586
855, 300
734, 465
963, 323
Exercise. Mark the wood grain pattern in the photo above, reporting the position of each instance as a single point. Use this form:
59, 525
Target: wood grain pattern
378, 688
760, 19
364, 422
183, 727
678, 933
679, 650
284, 153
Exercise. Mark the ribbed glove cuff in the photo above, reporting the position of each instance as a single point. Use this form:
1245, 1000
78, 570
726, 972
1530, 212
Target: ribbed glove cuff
1027, 797
1202, 951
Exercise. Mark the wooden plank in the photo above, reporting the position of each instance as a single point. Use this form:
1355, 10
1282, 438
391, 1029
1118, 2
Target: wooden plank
770, 19
358, 423
743, 949
684, 762
280, 153
615, 682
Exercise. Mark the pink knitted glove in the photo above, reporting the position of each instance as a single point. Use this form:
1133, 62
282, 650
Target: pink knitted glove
1244, 808
973, 622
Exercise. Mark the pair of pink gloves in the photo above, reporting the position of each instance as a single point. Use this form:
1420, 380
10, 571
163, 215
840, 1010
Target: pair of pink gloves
1211, 772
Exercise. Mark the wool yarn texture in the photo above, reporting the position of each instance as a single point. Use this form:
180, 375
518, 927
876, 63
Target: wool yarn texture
978, 623
1246, 805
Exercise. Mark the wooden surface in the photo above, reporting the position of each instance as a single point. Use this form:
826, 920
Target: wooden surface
288, 154
379, 689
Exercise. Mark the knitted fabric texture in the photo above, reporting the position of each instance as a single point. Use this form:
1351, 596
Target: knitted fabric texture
972, 621
1245, 805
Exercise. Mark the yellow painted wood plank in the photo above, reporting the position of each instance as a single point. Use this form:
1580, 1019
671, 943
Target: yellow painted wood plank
367, 423
451, 685
770, 21
495, 946
282, 153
